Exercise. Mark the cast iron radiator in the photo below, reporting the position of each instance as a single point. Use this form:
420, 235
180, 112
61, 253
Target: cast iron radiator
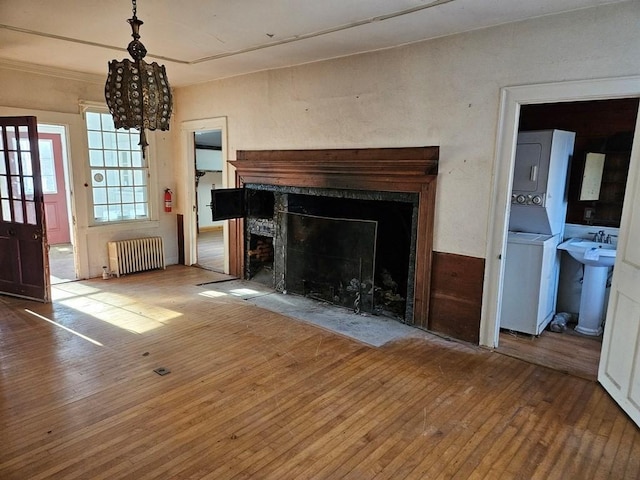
135, 255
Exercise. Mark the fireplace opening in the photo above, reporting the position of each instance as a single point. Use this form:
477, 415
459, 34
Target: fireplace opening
355, 249
260, 259
331, 259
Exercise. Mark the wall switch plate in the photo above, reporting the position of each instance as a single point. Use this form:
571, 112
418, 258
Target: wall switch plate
589, 213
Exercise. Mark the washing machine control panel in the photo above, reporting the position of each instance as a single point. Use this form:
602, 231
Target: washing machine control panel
536, 199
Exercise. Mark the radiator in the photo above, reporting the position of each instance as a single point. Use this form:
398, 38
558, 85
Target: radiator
135, 255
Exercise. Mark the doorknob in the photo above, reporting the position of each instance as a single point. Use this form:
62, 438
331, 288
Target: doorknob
12, 232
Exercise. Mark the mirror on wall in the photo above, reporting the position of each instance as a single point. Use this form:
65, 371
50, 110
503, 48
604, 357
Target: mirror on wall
592, 176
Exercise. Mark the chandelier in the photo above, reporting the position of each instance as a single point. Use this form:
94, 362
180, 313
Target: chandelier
137, 93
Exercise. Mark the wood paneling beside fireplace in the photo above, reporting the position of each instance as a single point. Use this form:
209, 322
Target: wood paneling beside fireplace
411, 169
456, 296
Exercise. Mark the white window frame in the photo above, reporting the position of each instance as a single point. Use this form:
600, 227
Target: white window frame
152, 204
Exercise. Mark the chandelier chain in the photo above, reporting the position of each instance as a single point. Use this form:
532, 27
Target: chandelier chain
135, 7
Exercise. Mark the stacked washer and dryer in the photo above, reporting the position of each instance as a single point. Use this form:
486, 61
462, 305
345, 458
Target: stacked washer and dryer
536, 227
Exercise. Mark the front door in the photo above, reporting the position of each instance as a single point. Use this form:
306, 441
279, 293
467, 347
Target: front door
23, 256
619, 370
54, 188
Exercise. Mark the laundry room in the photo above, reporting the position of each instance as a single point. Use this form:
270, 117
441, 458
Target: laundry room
571, 167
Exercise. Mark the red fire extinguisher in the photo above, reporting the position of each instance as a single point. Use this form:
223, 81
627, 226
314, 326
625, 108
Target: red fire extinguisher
167, 200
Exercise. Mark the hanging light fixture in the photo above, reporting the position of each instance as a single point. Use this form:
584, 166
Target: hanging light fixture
137, 93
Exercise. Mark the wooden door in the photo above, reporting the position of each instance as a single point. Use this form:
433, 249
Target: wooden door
23, 255
54, 188
619, 370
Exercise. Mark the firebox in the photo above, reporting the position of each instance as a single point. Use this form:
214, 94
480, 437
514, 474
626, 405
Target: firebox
351, 248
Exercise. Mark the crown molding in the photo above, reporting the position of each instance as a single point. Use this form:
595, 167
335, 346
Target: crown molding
52, 71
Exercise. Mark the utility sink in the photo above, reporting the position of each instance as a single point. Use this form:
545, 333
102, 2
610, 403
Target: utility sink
596, 257
596, 254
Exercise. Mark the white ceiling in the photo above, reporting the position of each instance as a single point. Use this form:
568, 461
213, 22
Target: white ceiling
201, 40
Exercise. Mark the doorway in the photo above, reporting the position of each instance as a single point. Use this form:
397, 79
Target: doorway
205, 169
208, 176
54, 167
513, 100
604, 126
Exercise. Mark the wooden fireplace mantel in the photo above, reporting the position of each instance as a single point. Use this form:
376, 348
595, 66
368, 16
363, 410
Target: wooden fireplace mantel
412, 169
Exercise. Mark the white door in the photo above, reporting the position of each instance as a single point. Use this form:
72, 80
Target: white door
619, 370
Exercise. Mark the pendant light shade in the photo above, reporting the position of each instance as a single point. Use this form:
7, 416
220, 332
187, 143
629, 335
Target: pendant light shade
138, 93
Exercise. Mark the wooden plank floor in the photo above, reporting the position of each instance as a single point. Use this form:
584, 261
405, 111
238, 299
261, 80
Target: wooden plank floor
256, 395
568, 351
211, 250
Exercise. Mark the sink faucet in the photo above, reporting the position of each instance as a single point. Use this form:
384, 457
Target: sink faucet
599, 237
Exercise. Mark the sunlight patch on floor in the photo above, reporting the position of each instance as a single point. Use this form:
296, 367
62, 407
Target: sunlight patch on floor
67, 290
239, 292
84, 337
122, 311
212, 294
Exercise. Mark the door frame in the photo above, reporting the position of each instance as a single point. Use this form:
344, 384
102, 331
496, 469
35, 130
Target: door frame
62, 131
188, 196
511, 98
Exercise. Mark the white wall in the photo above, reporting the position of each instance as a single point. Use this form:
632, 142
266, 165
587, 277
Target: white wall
56, 101
443, 92
208, 182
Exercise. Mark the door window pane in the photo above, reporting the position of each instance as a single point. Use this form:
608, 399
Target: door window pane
28, 188
16, 188
31, 213
4, 187
18, 216
6, 210
27, 168
23, 137
14, 167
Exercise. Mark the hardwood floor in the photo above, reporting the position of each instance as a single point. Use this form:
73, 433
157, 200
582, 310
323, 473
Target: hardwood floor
61, 266
254, 394
211, 250
568, 352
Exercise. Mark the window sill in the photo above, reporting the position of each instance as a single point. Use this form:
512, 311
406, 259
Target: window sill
126, 225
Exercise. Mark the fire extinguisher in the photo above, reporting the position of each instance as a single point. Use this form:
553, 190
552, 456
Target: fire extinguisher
167, 200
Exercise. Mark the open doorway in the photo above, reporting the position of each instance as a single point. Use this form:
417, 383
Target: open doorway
55, 175
198, 197
605, 127
208, 177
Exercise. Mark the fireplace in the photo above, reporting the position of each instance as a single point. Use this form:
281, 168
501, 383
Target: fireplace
350, 227
353, 248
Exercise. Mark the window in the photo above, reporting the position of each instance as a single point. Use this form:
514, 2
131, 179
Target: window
119, 173
47, 167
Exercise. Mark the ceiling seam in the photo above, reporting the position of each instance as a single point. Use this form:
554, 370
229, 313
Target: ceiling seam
254, 48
